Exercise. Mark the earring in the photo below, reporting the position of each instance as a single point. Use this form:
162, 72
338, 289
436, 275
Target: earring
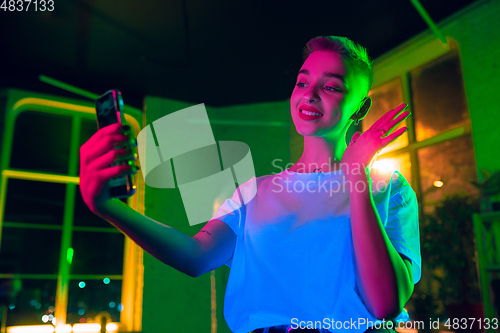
357, 122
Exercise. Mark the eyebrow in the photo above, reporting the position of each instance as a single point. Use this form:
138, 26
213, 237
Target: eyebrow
326, 74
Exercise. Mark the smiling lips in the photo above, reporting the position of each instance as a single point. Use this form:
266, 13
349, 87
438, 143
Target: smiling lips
310, 112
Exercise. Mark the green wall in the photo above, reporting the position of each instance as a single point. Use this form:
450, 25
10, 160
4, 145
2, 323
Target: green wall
172, 301
477, 32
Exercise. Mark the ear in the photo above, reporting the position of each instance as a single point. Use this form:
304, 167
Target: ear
366, 104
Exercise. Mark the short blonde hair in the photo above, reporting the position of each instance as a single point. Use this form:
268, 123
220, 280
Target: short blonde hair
355, 54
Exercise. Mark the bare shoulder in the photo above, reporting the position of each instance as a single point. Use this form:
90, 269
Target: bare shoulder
217, 242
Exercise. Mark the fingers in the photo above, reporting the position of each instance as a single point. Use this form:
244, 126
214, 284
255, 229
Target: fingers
105, 139
355, 136
388, 139
395, 122
102, 157
111, 158
388, 116
104, 175
129, 156
113, 129
95, 149
116, 171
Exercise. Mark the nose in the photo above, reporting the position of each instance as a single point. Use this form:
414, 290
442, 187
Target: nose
311, 94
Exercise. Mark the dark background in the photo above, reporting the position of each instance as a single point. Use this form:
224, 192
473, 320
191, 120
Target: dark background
215, 52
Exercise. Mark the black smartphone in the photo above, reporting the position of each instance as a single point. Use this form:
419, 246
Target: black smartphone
109, 110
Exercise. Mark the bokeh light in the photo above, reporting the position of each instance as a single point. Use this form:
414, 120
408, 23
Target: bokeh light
438, 183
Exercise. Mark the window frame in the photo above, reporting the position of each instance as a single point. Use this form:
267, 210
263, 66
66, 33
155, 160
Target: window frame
19, 101
398, 64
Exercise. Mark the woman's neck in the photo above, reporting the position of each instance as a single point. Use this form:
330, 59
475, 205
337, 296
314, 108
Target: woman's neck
320, 153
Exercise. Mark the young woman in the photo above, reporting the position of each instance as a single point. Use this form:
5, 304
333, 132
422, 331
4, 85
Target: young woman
320, 246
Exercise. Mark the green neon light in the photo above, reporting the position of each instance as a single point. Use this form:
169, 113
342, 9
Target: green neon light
68, 87
69, 255
84, 93
421, 10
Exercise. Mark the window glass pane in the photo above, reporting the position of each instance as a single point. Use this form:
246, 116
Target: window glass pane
88, 128
96, 297
452, 163
401, 163
41, 142
30, 301
438, 95
36, 202
385, 98
98, 253
30, 251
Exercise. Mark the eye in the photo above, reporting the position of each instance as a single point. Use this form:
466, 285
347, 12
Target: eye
329, 88
300, 85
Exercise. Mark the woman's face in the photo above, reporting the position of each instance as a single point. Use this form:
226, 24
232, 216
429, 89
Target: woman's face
322, 87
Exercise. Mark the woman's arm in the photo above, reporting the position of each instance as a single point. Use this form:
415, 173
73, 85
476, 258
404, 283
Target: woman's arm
211, 248
384, 276
189, 255
217, 243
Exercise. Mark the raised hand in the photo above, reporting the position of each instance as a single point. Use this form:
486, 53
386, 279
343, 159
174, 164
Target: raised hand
364, 146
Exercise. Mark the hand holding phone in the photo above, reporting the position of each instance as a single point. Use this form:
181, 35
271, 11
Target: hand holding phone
96, 156
109, 110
